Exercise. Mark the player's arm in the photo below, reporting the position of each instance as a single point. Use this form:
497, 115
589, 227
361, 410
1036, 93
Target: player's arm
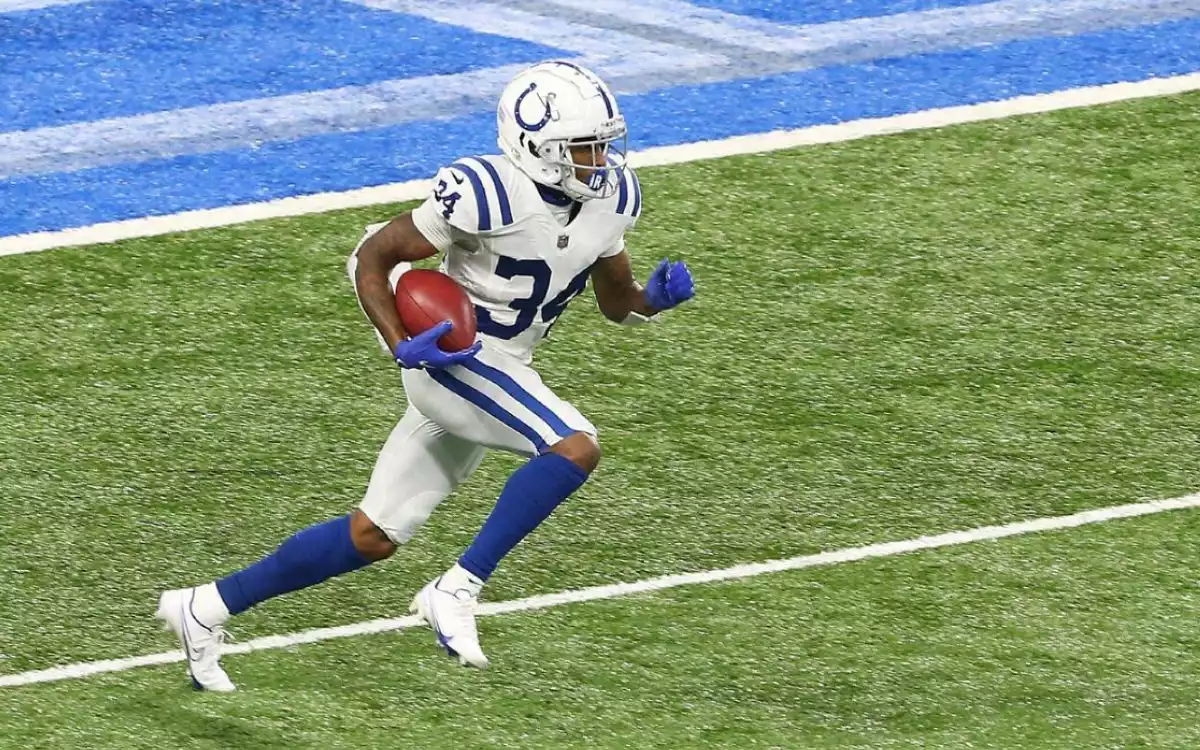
623, 300
398, 242
618, 293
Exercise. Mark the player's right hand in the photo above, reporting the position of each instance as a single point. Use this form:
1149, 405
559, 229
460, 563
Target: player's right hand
670, 285
422, 351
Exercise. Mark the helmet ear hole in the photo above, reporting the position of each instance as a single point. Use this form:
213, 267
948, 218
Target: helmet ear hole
532, 148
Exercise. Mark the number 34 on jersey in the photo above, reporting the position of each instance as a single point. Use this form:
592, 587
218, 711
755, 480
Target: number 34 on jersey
507, 247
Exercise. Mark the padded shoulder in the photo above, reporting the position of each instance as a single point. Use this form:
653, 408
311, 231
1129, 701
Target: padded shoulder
472, 195
629, 195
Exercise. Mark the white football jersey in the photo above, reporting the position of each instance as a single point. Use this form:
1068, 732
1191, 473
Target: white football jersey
507, 247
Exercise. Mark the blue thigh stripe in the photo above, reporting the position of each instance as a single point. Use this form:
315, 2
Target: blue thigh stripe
523, 397
506, 216
485, 403
485, 213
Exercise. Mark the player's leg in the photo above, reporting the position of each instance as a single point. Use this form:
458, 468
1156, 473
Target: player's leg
530, 495
501, 403
418, 466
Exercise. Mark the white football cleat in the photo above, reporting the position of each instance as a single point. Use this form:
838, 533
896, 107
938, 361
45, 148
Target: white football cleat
451, 614
201, 642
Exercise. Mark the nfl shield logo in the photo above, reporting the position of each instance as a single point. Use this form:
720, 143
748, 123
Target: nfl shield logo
562, 241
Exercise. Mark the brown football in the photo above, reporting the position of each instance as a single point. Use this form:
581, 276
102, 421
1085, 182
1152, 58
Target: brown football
425, 298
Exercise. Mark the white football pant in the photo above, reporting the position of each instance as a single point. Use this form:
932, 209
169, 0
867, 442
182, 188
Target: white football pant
453, 417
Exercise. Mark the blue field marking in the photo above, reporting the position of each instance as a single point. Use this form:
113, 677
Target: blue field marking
748, 48
674, 115
910, 84
824, 11
385, 128
119, 57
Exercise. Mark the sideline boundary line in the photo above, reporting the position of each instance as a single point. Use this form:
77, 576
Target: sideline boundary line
543, 601
738, 145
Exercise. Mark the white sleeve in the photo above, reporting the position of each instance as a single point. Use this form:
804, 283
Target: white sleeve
615, 248
428, 220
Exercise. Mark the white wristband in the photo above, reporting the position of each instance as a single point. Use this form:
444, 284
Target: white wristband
637, 319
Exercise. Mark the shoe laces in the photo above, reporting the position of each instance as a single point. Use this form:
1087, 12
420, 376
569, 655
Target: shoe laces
220, 636
462, 595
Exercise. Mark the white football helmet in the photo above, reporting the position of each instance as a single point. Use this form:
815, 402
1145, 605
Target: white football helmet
550, 108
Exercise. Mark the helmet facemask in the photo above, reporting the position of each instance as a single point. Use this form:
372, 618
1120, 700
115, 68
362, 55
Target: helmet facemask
589, 166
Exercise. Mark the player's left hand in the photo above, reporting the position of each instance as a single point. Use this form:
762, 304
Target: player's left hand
670, 284
422, 351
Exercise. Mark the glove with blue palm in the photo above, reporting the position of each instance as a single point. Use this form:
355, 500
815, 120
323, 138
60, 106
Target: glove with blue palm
422, 351
669, 285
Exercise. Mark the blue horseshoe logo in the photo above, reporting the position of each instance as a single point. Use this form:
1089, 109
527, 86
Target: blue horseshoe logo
532, 127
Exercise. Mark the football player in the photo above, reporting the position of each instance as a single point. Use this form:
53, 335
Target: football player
522, 232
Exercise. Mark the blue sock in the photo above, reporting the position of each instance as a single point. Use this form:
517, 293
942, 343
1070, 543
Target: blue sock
529, 497
304, 559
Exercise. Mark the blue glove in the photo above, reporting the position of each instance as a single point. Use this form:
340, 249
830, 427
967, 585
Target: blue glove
669, 285
422, 351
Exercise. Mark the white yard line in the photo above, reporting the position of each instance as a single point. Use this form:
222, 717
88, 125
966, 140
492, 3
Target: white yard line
543, 601
13, 6
747, 144
894, 35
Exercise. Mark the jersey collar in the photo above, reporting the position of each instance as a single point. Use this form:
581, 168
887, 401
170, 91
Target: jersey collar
553, 196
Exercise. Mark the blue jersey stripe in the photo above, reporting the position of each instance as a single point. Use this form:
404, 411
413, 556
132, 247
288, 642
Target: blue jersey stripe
485, 213
637, 195
623, 194
523, 397
484, 402
506, 216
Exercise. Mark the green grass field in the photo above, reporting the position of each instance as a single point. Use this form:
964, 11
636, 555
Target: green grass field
893, 337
